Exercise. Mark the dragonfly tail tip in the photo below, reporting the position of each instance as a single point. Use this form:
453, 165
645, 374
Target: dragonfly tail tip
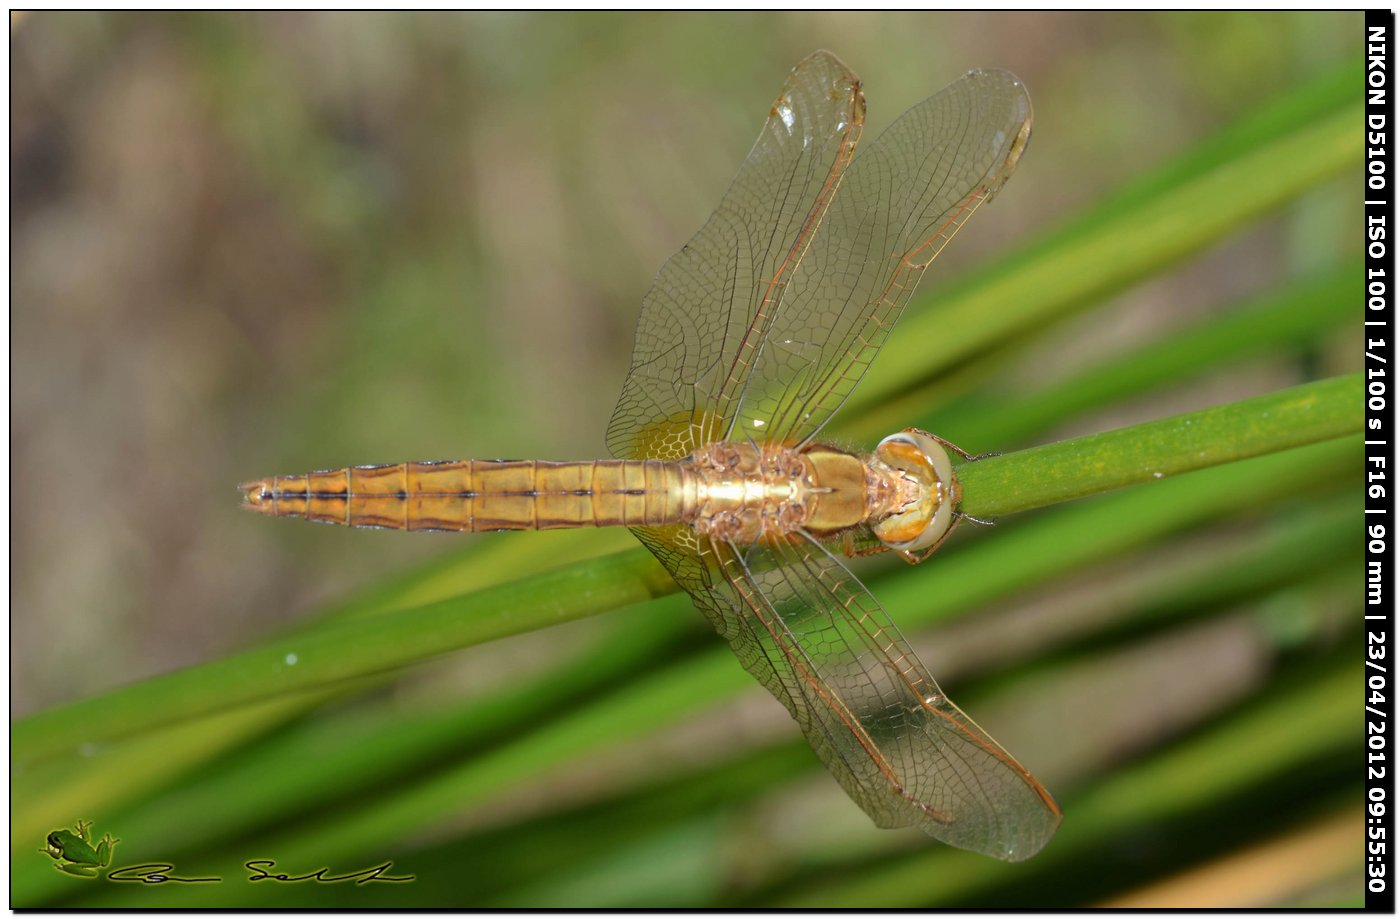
256, 495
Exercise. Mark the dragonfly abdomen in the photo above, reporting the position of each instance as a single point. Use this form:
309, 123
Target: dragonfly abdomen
481, 495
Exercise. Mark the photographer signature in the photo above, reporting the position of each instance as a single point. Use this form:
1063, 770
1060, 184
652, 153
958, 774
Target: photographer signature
259, 869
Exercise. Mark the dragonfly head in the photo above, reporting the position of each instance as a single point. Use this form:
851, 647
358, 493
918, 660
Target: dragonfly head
922, 523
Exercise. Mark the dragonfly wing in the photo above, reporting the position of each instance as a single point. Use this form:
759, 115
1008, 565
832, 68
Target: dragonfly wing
902, 199
707, 313
759, 328
809, 631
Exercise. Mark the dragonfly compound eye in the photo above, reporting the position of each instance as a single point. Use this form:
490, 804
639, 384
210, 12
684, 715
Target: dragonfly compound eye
927, 519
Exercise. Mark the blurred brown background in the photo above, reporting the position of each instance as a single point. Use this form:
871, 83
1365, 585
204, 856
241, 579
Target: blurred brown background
249, 244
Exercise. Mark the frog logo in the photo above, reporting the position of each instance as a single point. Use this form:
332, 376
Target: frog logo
73, 852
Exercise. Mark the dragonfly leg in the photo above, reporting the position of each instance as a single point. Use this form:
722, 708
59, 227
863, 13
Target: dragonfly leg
853, 549
970, 457
914, 558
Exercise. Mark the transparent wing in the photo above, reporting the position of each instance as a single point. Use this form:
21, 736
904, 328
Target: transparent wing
806, 628
759, 328
901, 201
708, 312
763, 324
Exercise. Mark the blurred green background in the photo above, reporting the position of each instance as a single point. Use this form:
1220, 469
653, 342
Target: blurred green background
255, 244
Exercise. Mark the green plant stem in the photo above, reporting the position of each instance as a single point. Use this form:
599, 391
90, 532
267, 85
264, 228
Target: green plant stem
1161, 222
997, 413
1296, 726
344, 650
1085, 466
245, 792
353, 648
1084, 534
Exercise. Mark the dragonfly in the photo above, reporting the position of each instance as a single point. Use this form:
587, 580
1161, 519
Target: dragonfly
752, 336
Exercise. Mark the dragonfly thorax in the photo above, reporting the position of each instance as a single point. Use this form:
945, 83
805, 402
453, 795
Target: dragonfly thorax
747, 493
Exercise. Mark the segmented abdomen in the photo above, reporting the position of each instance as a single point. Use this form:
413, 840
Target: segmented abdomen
482, 495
